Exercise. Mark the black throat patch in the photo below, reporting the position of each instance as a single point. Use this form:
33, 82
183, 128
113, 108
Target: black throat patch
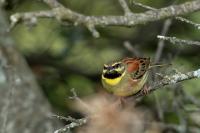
112, 75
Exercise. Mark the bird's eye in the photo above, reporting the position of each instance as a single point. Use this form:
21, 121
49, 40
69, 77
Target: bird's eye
117, 65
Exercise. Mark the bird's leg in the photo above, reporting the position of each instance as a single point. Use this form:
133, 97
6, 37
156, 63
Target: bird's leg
145, 89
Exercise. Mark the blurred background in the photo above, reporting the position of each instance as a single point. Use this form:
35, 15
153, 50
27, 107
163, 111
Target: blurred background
65, 57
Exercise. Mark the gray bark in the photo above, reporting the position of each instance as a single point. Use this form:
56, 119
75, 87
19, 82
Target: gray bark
23, 107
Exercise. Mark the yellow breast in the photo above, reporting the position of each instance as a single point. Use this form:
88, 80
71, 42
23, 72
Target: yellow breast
114, 81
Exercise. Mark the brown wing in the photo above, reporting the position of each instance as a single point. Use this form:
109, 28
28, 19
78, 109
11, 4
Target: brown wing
137, 67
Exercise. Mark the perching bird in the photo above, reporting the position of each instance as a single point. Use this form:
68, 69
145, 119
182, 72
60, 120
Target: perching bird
126, 77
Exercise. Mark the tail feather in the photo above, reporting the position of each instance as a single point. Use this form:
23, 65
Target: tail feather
159, 65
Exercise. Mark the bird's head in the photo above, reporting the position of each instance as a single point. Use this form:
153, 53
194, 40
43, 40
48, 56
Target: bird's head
113, 70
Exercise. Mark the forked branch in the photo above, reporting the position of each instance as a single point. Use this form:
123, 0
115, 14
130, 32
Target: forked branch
63, 14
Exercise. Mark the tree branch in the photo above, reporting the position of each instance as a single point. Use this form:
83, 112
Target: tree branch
196, 25
125, 7
160, 46
20, 95
64, 14
177, 18
175, 40
170, 80
30, 17
73, 123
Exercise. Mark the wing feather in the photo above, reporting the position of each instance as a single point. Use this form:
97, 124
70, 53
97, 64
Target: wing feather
137, 67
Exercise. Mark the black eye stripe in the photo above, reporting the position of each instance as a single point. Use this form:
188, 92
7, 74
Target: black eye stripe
116, 65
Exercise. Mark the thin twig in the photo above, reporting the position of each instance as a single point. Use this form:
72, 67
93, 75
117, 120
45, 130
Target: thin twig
189, 22
73, 123
177, 18
125, 7
175, 40
160, 47
92, 29
30, 17
77, 123
130, 48
68, 118
143, 6
75, 96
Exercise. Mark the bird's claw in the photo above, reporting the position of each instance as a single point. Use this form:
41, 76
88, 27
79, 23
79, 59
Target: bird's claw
145, 90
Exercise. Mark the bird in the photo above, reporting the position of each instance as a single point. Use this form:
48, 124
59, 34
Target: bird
126, 77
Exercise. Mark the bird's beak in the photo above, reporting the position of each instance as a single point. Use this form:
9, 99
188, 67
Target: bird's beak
111, 71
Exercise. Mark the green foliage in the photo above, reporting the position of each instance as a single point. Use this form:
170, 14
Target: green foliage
171, 117
192, 86
40, 39
88, 59
59, 96
81, 84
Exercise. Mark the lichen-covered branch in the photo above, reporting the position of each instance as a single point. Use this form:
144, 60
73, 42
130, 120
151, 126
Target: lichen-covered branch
64, 14
175, 40
177, 18
74, 123
170, 80
196, 25
30, 17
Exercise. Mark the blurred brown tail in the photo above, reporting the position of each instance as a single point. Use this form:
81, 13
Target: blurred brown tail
159, 65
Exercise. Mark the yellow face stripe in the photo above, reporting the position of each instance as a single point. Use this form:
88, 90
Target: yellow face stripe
114, 81
116, 63
105, 65
104, 71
